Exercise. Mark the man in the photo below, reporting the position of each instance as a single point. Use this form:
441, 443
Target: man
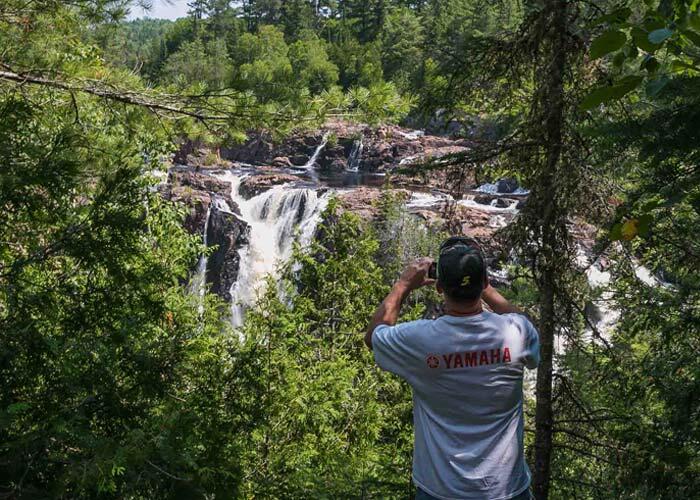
466, 372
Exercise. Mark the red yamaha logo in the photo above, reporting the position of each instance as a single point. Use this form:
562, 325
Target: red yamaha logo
433, 361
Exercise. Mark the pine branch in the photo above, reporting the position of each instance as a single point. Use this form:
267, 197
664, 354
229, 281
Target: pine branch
197, 107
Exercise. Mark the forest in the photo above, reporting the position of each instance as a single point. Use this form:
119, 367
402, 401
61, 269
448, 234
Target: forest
200, 216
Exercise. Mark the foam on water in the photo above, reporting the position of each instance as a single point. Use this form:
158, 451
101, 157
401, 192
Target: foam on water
277, 218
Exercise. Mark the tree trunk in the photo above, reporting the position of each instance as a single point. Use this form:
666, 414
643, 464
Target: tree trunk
551, 105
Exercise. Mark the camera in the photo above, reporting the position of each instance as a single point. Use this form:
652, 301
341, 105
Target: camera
432, 271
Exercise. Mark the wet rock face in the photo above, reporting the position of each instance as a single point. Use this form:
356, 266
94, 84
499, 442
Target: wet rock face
450, 216
228, 233
188, 180
202, 195
257, 150
197, 203
382, 148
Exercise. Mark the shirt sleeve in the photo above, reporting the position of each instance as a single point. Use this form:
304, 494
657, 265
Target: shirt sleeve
393, 350
532, 345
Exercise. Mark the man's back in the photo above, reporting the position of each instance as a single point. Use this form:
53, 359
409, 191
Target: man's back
466, 373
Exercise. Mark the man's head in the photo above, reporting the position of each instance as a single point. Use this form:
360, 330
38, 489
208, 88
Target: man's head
461, 269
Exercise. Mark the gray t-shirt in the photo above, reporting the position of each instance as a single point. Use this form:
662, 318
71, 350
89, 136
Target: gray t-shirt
467, 378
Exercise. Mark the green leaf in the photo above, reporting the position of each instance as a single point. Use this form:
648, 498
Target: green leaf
653, 24
639, 36
619, 59
611, 92
16, 408
695, 21
631, 50
652, 204
659, 36
596, 97
629, 229
608, 42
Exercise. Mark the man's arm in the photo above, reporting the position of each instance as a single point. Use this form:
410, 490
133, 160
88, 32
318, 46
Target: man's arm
497, 302
415, 276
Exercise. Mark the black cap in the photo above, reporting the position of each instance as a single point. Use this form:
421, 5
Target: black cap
461, 267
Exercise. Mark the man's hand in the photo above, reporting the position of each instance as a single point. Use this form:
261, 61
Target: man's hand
416, 274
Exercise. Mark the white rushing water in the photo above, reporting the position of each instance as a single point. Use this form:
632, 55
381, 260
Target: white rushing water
355, 157
493, 189
492, 207
314, 157
199, 283
277, 218
421, 200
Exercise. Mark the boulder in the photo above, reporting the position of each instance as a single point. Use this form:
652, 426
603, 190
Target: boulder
363, 201
197, 181
187, 148
298, 160
506, 185
475, 223
257, 149
197, 203
281, 162
483, 199
227, 232
335, 157
256, 184
504, 202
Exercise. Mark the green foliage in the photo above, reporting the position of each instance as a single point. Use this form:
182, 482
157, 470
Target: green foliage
311, 65
402, 47
103, 354
609, 93
333, 425
664, 36
379, 103
263, 64
196, 62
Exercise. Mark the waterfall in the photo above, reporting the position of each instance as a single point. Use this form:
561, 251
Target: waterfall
312, 161
355, 157
277, 218
199, 283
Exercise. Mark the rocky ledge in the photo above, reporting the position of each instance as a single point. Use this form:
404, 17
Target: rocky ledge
209, 199
346, 146
253, 185
439, 211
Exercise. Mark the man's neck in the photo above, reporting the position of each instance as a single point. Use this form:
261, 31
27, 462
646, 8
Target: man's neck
454, 308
